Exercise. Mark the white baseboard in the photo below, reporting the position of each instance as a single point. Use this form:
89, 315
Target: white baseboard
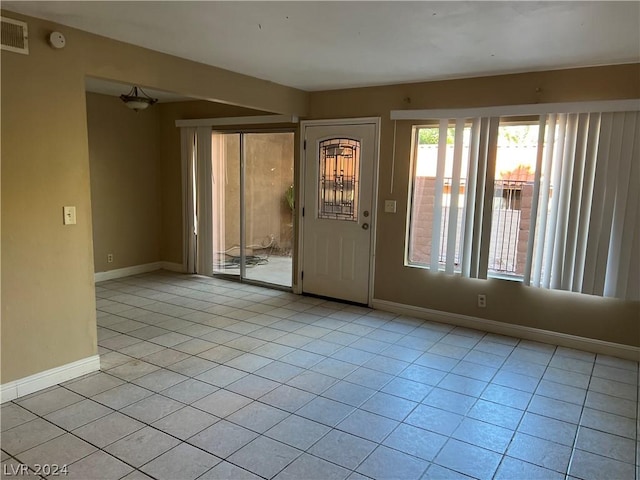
24, 386
138, 269
127, 271
172, 267
546, 336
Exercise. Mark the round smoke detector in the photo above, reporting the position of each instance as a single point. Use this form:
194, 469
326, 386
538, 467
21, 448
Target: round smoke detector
57, 40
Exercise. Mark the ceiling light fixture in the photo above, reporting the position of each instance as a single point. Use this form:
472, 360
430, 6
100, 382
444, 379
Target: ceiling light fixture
137, 99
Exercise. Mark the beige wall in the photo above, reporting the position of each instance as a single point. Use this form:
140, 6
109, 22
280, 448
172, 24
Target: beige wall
510, 302
48, 304
124, 160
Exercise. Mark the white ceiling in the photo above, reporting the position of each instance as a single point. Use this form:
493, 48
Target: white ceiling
328, 45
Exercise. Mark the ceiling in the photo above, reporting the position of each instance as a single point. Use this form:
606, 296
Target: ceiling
328, 45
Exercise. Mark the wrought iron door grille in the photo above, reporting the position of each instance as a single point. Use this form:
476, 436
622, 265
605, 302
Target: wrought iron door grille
339, 179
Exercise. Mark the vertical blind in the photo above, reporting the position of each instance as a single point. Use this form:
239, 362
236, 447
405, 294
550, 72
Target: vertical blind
585, 241
585, 232
197, 178
460, 232
188, 153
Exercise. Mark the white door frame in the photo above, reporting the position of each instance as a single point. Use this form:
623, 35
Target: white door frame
301, 191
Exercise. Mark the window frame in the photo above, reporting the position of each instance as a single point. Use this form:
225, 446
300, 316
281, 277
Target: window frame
511, 115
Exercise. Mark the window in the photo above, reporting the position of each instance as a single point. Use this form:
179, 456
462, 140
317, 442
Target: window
440, 178
513, 181
550, 201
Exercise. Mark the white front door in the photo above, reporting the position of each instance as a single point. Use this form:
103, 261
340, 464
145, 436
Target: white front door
339, 169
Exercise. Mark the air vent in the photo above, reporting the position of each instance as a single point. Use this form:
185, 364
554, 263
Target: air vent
14, 36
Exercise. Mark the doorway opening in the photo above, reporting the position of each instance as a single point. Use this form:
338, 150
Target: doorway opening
252, 199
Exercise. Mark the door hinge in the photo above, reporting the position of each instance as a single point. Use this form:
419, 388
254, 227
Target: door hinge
305, 145
302, 275
303, 211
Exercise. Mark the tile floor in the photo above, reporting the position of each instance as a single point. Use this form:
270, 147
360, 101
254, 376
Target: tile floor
205, 378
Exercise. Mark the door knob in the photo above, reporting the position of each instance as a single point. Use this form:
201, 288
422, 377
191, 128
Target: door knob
365, 226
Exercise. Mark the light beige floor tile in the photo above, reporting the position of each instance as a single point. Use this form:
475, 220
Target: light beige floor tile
13, 415
122, 396
185, 423
312, 468
298, 432
28, 435
223, 438
184, 462
589, 466
61, 450
152, 408
142, 446
227, 471
342, 449
42, 403
132, 370
159, 380
385, 462
93, 384
108, 429
258, 417
78, 414
264, 457
222, 403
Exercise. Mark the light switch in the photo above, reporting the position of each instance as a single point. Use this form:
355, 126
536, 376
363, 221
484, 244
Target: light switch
69, 215
390, 206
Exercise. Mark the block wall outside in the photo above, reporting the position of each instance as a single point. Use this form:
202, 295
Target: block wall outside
420, 240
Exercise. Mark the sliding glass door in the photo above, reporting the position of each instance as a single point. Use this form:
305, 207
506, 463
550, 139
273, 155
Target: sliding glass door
252, 176
225, 163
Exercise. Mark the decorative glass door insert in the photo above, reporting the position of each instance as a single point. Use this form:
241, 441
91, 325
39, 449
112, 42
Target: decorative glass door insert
339, 179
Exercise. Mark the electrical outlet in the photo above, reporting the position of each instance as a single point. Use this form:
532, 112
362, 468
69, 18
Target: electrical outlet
482, 300
109, 257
